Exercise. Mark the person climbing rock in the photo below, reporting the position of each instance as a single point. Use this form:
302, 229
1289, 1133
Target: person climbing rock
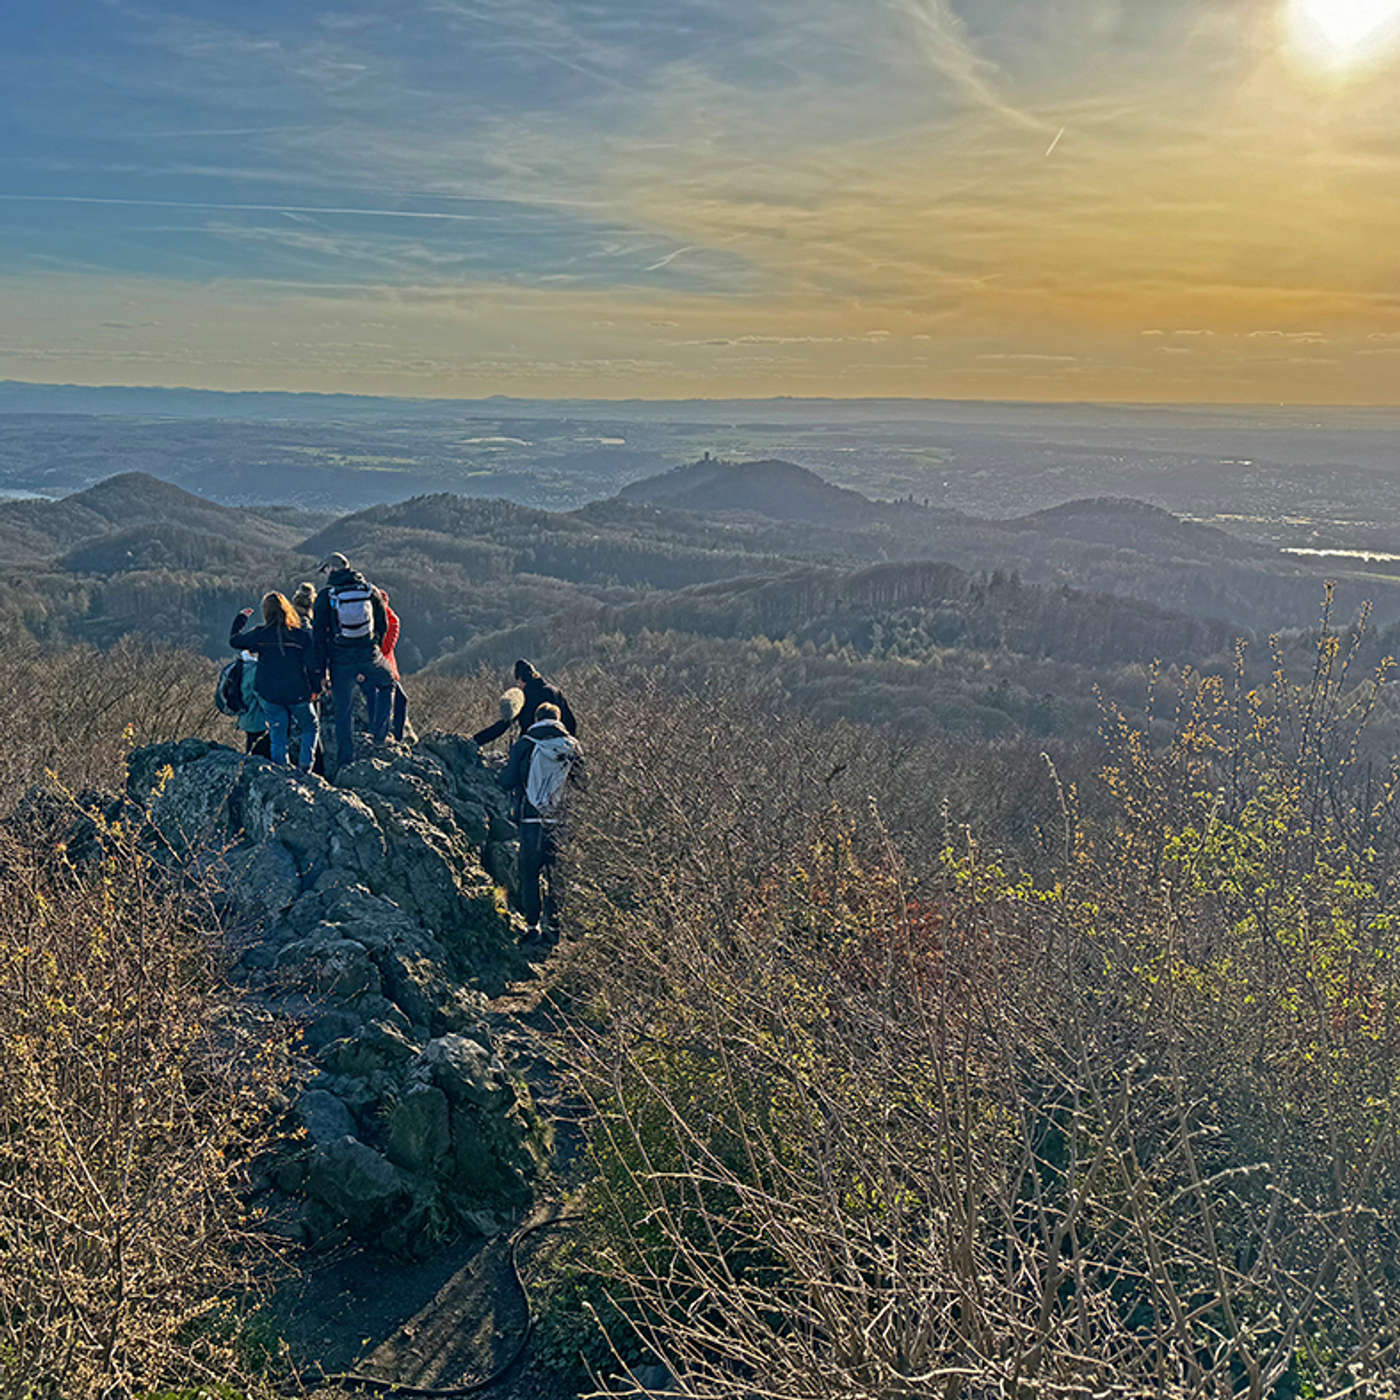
511, 703
281, 679
544, 763
349, 623
534, 691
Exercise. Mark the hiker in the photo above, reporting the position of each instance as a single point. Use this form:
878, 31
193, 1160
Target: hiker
511, 703
281, 675
304, 601
542, 764
250, 717
391, 639
349, 623
534, 691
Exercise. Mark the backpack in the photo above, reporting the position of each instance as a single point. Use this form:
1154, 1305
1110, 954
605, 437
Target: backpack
353, 610
550, 765
228, 692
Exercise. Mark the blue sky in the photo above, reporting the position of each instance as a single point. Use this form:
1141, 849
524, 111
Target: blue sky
1038, 198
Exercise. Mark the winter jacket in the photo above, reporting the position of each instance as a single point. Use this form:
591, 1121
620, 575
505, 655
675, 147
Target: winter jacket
538, 691
391, 639
334, 653
516, 774
253, 720
284, 657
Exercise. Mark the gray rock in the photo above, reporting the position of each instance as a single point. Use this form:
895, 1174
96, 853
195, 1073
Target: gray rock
374, 1045
467, 1071
330, 964
325, 1117
419, 1132
363, 1188
371, 913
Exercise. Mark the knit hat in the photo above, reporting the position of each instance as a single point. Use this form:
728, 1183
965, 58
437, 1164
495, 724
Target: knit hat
333, 561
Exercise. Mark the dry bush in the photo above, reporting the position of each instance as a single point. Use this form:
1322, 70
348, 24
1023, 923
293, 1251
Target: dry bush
1132, 1129
136, 1093
78, 712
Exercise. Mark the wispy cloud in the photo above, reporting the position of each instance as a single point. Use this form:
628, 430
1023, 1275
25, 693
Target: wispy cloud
714, 187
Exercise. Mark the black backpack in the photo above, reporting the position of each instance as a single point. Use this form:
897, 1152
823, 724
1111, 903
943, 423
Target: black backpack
228, 693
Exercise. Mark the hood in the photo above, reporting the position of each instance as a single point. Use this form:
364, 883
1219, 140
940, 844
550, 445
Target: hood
547, 729
339, 578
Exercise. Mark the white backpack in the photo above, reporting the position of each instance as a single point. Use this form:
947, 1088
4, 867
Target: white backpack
354, 612
550, 764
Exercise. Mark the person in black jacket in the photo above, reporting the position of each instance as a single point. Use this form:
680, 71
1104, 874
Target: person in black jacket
549, 742
349, 623
536, 692
283, 678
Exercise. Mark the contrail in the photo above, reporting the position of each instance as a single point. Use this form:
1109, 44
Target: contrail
671, 257
1051, 147
247, 208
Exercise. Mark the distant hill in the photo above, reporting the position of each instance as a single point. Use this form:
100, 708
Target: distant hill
36, 530
1130, 524
775, 489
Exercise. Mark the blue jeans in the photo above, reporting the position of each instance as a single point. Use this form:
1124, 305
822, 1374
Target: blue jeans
379, 699
279, 724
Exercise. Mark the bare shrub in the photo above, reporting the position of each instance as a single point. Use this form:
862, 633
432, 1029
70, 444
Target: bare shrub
78, 712
136, 1093
1129, 1128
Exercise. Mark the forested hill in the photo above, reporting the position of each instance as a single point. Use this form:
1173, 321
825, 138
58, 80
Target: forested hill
961, 623
775, 489
40, 529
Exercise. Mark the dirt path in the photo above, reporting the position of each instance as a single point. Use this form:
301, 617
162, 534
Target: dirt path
456, 1318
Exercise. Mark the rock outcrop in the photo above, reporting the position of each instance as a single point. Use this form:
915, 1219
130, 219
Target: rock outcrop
372, 912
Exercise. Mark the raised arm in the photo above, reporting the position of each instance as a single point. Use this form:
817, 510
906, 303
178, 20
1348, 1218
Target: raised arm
236, 631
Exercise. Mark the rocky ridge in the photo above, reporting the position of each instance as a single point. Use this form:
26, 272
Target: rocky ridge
372, 913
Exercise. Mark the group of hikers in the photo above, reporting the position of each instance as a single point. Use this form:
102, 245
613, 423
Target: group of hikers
341, 638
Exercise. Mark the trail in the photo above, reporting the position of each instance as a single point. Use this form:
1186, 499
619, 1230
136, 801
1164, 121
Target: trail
458, 1317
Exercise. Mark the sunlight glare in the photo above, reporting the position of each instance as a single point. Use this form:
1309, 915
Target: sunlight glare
1344, 34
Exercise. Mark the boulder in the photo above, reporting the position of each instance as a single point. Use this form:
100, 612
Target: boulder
363, 1188
466, 1071
419, 1133
325, 1117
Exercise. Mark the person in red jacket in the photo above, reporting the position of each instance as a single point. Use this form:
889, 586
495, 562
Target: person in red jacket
391, 638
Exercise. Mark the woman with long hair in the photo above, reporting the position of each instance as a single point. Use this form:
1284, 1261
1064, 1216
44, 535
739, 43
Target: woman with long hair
283, 680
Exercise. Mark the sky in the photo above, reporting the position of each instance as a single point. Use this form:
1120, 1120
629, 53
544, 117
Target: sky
1125, 200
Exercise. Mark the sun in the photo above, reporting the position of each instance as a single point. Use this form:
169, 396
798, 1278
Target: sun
1344, 34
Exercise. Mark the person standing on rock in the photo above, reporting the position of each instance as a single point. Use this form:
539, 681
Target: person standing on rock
391, 639
304, 601
282, 679
349, 625
534, 691
252, 718
543, 763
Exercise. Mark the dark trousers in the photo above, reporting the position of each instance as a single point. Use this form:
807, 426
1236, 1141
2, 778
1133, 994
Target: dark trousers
379, 698
539, 845
400, 710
